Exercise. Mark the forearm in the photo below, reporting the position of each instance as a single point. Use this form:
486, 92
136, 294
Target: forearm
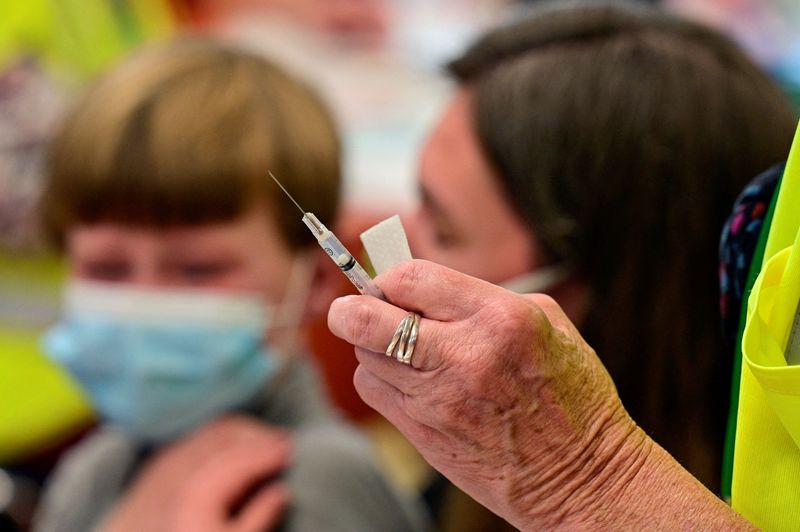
643, 487
661, 494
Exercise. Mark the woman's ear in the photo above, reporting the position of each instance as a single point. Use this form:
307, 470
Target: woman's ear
327, 283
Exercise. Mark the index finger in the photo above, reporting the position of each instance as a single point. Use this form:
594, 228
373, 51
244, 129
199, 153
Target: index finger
370, 324
434, 291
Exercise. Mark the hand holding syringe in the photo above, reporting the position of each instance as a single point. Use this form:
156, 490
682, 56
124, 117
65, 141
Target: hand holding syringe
336, 251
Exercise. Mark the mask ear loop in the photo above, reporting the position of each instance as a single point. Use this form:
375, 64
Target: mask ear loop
288, 314
539, 280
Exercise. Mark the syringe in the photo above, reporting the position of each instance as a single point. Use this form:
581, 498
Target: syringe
336, 251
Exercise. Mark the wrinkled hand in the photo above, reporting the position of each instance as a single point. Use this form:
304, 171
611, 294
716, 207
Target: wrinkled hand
197, 483
504, 396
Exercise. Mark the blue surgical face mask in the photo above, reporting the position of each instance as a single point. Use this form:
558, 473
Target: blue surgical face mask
158, 363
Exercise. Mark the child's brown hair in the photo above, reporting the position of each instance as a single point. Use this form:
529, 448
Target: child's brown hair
183, 134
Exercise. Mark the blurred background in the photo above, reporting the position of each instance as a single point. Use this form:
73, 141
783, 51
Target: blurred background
376, 62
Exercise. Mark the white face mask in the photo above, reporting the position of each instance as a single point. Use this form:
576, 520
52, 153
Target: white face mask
537, 281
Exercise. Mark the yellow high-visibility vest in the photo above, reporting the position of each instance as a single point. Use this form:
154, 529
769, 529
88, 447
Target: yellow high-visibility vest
766, 468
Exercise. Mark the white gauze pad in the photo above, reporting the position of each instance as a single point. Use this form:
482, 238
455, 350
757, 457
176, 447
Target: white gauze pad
386, 244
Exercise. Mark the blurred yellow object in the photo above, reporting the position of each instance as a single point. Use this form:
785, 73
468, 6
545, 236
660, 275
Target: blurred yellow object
77, 38
39, 404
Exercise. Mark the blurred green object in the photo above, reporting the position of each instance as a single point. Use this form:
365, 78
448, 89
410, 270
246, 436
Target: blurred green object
40, 404
77, 38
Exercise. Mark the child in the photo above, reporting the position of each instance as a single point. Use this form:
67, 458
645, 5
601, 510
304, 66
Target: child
189, 275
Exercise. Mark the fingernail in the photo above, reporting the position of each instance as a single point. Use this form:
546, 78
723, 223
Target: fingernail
344, 300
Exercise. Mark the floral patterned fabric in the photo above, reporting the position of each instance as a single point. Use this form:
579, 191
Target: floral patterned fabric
739, 239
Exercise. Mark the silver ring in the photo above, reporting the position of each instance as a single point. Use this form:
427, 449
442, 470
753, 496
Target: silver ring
399, 353
398, 333
404, 339
412, 341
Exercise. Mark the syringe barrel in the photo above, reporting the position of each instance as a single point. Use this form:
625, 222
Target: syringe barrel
349, 266
343, 258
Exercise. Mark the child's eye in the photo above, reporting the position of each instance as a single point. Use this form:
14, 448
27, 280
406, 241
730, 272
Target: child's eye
106, 270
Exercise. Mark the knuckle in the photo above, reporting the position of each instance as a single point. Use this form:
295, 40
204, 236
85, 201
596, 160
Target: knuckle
510, 330
545, 301
548, 307
405, 278
514, 318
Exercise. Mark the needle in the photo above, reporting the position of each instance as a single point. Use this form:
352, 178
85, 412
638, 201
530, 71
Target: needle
285, 191
333, 247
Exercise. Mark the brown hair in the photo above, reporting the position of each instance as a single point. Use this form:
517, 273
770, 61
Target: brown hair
622, 136
184, 133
